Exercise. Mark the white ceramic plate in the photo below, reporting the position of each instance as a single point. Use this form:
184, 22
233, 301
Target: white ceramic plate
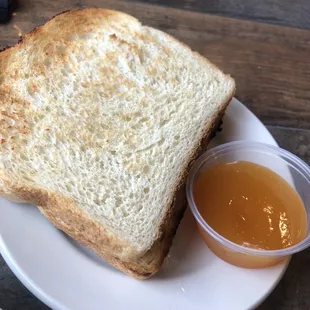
65, 275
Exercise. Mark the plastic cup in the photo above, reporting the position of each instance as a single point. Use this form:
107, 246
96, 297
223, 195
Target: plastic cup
291, 168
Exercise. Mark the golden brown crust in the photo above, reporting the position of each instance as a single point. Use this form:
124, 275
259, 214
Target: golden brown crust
64, 214
81, 20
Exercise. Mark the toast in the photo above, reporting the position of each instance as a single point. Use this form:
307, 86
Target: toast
100, 119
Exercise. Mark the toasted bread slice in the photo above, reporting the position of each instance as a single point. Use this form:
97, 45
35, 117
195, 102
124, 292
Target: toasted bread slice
100, 118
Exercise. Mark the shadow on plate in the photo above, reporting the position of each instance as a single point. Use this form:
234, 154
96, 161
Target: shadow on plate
89, 254
184, 256
188, 253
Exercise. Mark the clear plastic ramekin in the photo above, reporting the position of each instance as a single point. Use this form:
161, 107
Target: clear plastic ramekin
291, 168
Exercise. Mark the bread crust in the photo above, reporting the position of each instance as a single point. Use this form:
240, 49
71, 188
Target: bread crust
63, 213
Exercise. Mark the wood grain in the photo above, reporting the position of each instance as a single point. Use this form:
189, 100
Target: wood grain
282, 12
271, 64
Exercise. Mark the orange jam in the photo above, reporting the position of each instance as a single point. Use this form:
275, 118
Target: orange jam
251, 206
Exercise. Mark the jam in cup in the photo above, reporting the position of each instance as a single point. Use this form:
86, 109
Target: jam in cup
257, 177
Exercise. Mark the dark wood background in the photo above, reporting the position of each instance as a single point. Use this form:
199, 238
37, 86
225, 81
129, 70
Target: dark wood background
283, 12
263, 44
271, 63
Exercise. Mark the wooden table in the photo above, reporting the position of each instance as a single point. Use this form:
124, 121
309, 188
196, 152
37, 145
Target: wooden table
264, 44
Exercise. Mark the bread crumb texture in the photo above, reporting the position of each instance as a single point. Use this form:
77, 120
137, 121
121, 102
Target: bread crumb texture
97, 108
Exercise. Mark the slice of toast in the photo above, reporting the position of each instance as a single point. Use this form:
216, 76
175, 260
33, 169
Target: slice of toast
100, 118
